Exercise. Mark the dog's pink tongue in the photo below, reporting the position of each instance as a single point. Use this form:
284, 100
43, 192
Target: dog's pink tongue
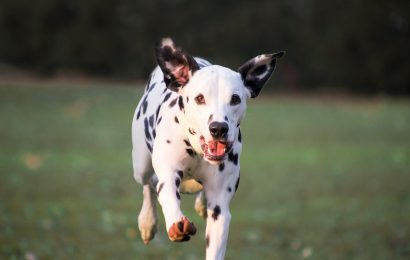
216, 148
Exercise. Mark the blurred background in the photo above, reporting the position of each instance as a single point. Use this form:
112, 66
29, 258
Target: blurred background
359, 46
325, 167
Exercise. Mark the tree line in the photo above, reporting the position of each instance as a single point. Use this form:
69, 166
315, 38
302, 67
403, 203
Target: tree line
359, 46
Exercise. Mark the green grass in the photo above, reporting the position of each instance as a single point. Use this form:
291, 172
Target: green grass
320, 179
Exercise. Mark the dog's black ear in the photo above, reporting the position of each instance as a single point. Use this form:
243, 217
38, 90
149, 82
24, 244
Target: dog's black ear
258, 70
177, 66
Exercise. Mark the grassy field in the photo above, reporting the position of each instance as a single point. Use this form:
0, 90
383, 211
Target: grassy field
320, 179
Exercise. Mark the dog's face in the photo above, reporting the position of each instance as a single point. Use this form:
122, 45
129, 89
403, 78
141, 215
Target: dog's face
215, 101
214, 97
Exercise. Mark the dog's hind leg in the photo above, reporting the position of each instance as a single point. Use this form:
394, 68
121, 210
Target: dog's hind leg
147, 218
143, 174
200, 205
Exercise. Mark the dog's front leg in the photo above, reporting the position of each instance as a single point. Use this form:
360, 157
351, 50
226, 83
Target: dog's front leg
178, 226
219, 193
217, 229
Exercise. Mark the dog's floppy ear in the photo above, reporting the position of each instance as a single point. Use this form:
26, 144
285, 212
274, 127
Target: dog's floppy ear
258, 70
177, 66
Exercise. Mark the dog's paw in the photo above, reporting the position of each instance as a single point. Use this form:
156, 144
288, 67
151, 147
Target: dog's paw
148, 228
147, 234
182, 230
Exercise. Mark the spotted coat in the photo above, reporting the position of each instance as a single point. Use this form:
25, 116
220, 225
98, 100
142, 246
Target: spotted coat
186, 139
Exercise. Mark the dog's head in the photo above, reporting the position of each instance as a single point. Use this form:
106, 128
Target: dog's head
214, 97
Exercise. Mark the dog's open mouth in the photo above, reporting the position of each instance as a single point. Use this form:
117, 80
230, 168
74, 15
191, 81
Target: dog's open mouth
215, 150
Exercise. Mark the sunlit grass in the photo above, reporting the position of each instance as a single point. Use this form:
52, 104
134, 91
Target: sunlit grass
320, 179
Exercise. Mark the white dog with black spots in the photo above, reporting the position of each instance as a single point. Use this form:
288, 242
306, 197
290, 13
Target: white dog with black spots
186, 139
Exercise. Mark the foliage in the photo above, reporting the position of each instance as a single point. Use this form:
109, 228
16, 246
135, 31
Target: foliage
358, 45
320, 179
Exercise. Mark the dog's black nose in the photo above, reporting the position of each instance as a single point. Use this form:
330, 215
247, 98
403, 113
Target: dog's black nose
218, 129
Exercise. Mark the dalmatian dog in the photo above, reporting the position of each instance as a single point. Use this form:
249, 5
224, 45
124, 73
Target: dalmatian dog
186, 139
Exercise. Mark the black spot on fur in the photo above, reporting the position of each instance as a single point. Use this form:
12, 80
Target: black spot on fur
160, 188
191, 131
181, 103
226, 119
138, 113
187, 100
221, 167
146, 129
144, 104
168, 141
190, 152
152, 87
178, 196
173, 102
180, 174
144, 107
238, 124
237, 183
207, 241
159, 120
177, 181
176, 120
233, 157
240, 136
216, 213
187, 143
154, 133
149, 146
167, 96
151, 121
157, 112
229, 189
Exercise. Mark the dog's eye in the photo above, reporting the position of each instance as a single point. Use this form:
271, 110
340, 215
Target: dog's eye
200, 100
235, 100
